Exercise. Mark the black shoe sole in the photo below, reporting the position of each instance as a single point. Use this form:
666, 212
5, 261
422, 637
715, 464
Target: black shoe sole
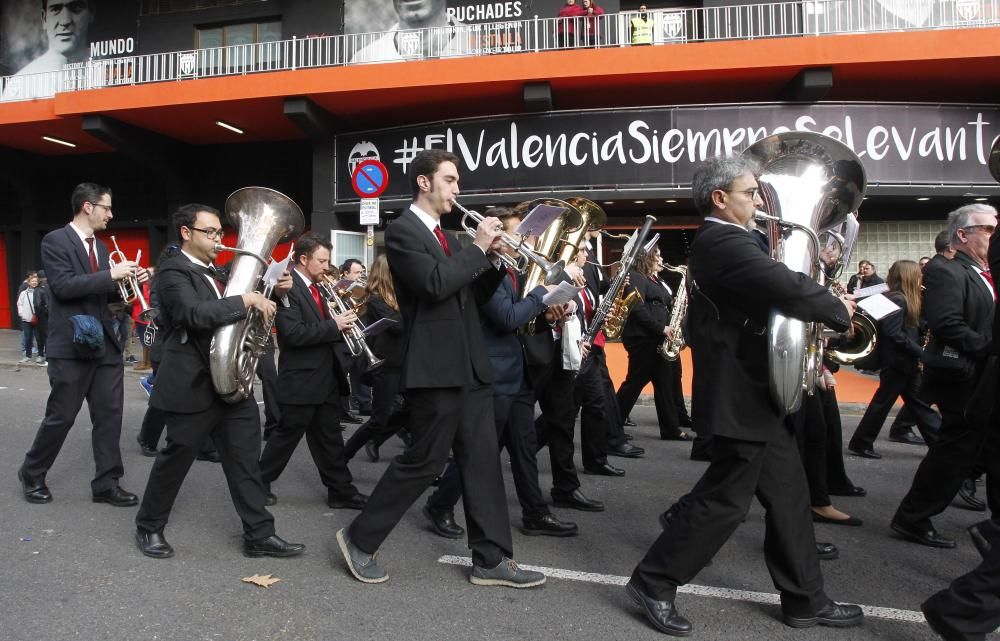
98, 499
796, 622
656, 624
28, 497
601, 473
256, 554
576, 506
909, 536
629, 455
557, 533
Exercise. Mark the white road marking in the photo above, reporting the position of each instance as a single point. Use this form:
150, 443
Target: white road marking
1, 388
260, 402
892, 614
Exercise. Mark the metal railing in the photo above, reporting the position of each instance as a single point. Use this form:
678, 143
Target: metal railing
738, 22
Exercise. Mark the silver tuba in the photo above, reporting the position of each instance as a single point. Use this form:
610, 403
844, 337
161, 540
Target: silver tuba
263, 218
809, 184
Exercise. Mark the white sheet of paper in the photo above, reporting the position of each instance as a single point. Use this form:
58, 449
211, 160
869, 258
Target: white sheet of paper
378, 327
878, 305
275, 271
564, 293
538, 220
871, 291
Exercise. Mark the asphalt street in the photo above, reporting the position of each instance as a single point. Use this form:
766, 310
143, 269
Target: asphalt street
72, 571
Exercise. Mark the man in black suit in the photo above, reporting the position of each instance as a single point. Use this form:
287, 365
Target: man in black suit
309, 379
85, 358
958, 305
753, 454
513, 406
447, 378
192, 307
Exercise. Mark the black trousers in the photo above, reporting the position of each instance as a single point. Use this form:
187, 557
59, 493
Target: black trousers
645, 365
268, 373
819, 434
836, 473
235, 430
155, 420
953, 457
515, 423
906, 419
893, 383
444, 419
588, 395
739, 471
682, 412
389, 413
615, 421
971, 604
72, 381
325, 438
557, 423
361, 394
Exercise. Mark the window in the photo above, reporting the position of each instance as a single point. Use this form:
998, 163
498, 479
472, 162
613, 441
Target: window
156, 7
215, 58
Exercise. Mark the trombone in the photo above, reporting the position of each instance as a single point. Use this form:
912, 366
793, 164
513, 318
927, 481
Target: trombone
554, 271
129, 287
355, 336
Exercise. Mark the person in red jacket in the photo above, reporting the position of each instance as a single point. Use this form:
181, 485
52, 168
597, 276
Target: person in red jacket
569, 23
591, 11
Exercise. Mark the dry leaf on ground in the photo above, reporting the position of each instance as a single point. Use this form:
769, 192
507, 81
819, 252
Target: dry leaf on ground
263, 580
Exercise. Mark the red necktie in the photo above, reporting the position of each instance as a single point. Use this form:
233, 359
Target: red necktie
214, 278
588, 313
988, 276
442, 239
319, 303
92, 254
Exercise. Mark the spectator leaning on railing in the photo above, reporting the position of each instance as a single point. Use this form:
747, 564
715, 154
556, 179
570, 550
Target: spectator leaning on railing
569, 20
592, 12
641, 27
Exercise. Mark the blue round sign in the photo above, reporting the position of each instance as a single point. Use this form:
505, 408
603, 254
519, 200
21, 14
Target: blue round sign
370, 179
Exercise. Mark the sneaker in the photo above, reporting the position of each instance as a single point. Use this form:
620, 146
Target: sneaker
363, 566
24, 359
146, 387
507, 573
40, 360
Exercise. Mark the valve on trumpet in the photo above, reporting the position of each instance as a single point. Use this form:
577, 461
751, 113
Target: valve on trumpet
130, 277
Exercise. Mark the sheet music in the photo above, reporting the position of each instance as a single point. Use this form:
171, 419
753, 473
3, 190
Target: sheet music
878, 306
378, 327
870, 291
539, 219
275, 271
564, 293
648, 247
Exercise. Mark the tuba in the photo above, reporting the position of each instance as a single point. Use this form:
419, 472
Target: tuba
809, 183
560, 240
263, 217
863, 337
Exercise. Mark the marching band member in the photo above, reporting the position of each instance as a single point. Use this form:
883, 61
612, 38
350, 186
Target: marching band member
753, 452
191, 308
308, 389
447, 381
85, 358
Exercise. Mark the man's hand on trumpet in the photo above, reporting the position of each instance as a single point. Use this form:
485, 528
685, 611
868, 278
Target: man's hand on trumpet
124, 269
346, 320
142, 275
488, 234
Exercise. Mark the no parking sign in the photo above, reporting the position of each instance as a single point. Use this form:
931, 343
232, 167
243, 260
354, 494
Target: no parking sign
370, 179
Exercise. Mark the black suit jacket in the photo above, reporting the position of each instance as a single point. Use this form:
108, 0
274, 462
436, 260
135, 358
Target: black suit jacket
309, 372
899, 343
648, 317
439, 297
501, 316
735, 286
958, 307
389, 345
76, 290
189, 313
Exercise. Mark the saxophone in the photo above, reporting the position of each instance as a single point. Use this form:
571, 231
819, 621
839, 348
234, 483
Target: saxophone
619, 312
673, 345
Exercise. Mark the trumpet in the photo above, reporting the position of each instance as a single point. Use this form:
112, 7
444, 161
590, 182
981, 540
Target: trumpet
355, 336
129, 287
555, 272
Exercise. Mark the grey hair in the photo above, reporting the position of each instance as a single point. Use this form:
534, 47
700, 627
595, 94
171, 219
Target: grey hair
717, 173
962, 217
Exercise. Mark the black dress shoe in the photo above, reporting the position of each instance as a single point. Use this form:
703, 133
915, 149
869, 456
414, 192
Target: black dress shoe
443, 524
153, 545
626, 450
577, 501
834, 615
854, 490
850, 520
907, 437
929, 537
676, 436
968, 495
116, 496
827, 551
604, 469
271, 499
629, 422
351, 418
210, 456
356, 501
371, 450
273, 545
549, 525
864, 453
146, 450
662, 615
34, 491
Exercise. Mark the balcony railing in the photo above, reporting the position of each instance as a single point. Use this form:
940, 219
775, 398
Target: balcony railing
803, 18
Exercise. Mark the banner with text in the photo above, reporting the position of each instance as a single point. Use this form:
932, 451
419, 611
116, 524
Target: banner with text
899, 144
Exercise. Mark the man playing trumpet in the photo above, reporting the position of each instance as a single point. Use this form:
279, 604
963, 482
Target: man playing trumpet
85, 357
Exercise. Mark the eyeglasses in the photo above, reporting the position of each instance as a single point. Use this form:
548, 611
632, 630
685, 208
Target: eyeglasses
211, 234
988, 228
751, 193
108, 207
